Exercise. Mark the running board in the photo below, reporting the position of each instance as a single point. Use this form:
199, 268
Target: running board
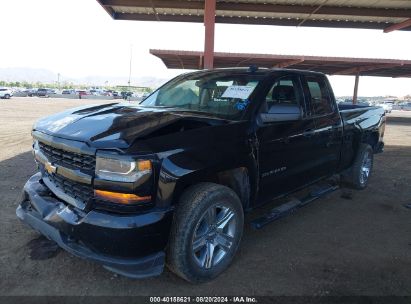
291, 206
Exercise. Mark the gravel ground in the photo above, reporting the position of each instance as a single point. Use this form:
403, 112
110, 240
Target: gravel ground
356, 244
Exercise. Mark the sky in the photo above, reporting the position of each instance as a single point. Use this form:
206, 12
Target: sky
77, 38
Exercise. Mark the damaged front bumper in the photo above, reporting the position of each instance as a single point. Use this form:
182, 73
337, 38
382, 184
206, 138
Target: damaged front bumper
130, 245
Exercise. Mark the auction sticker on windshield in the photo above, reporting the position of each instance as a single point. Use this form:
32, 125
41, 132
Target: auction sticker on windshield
241, 92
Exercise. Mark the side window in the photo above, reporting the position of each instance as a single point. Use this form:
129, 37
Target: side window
320, 96
284, 91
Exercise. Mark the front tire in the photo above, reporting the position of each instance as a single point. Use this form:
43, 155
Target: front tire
360, 172
206, 232
7, 96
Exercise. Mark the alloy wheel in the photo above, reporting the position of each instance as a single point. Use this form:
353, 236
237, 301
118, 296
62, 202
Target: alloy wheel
213, 236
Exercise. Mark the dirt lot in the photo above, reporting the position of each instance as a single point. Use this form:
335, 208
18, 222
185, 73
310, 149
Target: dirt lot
336, 246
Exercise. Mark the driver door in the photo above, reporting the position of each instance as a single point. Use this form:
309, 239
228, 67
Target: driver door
285, 147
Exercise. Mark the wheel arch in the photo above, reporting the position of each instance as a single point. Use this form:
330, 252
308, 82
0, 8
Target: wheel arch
371, 138
237, 179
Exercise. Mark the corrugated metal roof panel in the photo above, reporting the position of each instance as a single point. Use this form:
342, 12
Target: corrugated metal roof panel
396, 4
376, 14
329, 65
224, 13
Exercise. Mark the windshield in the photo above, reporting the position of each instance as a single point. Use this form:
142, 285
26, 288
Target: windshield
224, 95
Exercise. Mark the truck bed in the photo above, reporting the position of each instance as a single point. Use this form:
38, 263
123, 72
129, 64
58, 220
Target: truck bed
349, 106
351, 113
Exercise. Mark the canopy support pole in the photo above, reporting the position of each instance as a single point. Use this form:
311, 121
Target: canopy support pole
355, 96
209, 23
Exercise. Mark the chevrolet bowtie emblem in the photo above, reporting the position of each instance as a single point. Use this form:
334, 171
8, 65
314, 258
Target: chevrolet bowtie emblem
50, 168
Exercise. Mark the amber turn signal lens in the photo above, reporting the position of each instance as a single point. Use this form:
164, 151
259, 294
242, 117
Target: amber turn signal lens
144, 165
121, 198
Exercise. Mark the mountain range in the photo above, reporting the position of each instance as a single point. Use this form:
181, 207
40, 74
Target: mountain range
47, 76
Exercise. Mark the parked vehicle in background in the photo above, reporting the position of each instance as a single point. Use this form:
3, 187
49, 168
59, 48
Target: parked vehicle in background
405, 106
45, 92
126, 95
360, 101
81, 93
31, 92
6, 93
136, 187
67, 92
112, 93
345, 103
387, 106
95, 92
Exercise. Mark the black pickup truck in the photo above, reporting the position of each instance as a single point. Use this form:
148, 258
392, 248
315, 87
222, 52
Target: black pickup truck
167, 182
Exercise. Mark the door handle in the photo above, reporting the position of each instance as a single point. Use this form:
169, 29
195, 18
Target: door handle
308, 133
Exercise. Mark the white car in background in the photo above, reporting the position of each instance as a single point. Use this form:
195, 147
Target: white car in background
405, 106
5, 93
386, 106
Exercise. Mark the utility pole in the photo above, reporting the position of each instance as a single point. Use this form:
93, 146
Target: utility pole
58, 80
355, 95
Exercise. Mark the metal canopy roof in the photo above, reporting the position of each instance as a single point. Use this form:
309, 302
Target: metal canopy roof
328, 65
369, 14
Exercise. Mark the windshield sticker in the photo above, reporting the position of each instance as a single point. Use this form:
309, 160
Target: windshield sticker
241, 92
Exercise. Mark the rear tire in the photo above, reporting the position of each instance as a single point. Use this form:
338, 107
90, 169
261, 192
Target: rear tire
206, 232
359, 174
7, 96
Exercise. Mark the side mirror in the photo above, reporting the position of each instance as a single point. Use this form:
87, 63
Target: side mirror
282, 112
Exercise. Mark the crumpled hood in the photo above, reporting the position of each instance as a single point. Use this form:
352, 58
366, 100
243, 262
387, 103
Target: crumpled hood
118, 124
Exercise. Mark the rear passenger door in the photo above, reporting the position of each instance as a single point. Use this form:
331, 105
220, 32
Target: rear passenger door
328, 125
